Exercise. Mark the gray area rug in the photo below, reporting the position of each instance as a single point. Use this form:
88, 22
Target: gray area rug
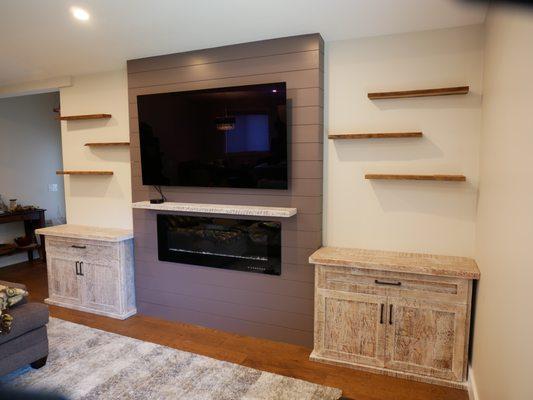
87, 363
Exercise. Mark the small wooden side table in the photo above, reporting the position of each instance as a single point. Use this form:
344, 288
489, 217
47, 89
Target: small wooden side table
32, 219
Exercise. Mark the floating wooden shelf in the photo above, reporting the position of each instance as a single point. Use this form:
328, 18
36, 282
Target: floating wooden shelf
383, 135
71, 172
105, 144
419, 93
402, 177
81, 117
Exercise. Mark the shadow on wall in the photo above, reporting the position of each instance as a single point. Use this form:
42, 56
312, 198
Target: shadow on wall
81, 125
454, 200
114, 154
464, 102
386, 149
94, 186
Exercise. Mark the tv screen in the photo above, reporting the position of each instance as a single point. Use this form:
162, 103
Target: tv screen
223, 137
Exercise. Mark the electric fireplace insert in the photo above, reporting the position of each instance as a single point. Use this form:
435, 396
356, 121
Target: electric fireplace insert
238, 244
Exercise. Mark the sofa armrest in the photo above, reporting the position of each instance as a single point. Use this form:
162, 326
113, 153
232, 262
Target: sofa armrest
13, 284
26, 317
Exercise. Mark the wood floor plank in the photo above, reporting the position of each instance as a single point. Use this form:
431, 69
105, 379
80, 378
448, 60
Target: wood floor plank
280, 358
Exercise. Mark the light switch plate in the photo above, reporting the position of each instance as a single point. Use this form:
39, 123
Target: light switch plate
52, 187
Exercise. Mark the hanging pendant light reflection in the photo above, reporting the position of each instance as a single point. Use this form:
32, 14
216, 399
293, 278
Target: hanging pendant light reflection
225, 123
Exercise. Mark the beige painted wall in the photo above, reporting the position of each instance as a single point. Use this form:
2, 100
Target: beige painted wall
407, 216
97, 200
502, 361
30, 153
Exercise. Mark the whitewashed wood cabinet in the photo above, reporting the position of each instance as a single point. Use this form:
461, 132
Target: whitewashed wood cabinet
402, 314
90, 269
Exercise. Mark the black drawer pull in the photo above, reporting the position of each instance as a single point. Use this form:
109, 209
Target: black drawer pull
77, 265
381, 314
390, 314
378, 282
81, 270
75, 246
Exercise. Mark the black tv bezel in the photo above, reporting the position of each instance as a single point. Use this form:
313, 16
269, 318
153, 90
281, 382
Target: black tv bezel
215, 90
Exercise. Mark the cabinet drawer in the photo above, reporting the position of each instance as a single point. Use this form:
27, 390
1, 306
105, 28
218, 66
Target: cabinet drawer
83, 250
356, 280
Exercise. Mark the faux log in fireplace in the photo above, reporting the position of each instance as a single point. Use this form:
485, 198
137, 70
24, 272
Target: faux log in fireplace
237, 244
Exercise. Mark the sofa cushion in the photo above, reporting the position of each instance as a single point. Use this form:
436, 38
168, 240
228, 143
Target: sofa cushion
26, 317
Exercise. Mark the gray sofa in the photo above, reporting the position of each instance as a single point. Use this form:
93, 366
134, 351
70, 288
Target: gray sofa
27, 342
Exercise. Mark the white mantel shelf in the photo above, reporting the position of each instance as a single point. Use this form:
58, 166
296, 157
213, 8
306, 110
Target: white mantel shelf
227, 209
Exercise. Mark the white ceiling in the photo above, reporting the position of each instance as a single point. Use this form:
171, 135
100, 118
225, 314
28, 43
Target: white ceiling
39, 39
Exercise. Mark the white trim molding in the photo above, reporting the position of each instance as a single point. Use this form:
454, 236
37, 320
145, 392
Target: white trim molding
472, 387
35, 87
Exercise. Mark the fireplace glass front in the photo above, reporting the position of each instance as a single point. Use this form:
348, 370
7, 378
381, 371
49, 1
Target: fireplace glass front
238, 244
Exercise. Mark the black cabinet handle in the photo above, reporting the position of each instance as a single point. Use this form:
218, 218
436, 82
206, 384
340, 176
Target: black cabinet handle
378, 282
381, 313
390, 314
77, 272
75, 246
81, 270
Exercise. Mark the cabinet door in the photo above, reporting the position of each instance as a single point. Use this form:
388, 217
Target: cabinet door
101, 286
350, 327
63, 282
426, 338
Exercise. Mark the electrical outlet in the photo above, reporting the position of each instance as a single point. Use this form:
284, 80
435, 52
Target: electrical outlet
52, 187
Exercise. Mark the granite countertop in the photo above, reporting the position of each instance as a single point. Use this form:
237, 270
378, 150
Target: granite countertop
87, 232
425, 264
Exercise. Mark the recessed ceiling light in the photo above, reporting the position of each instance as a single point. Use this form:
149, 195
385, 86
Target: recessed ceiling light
80, 13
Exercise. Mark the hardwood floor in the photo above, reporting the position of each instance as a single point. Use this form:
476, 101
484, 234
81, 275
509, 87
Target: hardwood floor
279, 358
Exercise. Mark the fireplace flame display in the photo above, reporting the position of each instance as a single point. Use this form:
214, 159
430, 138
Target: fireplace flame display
237, 244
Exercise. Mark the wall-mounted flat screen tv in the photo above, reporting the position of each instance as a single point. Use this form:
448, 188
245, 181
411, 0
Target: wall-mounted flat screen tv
223, 137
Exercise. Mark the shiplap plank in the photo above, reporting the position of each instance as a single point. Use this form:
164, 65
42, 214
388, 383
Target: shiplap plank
237, 310
240, 326
270, 301
228, 69
193, 274
299, 188
262, 48
294, 79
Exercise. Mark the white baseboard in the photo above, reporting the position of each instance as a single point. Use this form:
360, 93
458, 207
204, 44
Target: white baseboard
472, 387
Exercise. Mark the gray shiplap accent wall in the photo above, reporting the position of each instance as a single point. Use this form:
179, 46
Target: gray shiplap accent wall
273, 307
